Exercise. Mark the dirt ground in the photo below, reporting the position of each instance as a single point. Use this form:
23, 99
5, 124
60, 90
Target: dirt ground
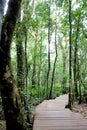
80, 108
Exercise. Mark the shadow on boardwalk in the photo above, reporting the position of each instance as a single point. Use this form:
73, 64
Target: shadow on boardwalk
52, 115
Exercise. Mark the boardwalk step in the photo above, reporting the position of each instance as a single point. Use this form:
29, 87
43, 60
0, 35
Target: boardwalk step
52, 115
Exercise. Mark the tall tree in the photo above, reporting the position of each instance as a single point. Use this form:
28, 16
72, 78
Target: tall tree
34, 59
55, 60
40, 63
49, 33
70, 57
76, 62
13, 109
64, 61
76, 58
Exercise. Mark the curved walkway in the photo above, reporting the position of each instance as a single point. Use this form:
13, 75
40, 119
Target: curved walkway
52, 115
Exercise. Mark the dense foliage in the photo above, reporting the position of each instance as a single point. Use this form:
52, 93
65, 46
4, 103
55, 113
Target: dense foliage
35, 33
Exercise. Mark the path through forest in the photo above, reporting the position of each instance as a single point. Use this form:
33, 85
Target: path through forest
52, 115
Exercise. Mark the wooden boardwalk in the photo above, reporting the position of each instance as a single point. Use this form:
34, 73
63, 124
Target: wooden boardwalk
52, 115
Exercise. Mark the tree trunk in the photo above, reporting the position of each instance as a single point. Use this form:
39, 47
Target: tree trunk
76, 55
40, 65
64, 78
26, 62
20, 63
80, 91
76, 58
34, 60
48, 72
70, 58
53, 72
10, 98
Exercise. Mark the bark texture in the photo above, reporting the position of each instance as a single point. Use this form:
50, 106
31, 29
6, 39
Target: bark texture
10, 97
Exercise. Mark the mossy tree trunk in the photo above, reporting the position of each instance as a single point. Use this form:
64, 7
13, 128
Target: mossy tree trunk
10, 97
20, 63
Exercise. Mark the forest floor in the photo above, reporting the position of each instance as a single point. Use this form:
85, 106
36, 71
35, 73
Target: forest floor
80, 108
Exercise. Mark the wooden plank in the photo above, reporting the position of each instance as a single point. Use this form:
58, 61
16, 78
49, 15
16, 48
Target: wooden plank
52, 115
